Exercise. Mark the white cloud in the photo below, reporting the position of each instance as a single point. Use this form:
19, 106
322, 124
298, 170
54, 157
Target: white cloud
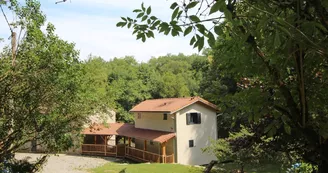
96, 33
99, 35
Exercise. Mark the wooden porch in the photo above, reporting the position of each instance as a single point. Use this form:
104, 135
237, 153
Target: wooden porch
141, 145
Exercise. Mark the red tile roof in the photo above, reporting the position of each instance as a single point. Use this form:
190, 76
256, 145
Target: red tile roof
129, 130
170, 105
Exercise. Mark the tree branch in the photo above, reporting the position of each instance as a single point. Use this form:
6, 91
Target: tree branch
4, 15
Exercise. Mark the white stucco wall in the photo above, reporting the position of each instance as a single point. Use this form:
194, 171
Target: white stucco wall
108, 116
200, 133
154, 121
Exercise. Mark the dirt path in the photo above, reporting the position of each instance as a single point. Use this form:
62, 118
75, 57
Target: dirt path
67, 163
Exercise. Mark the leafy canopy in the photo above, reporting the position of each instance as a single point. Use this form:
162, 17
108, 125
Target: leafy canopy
275, 51
40, 89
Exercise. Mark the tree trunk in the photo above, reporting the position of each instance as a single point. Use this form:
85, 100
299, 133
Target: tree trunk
210, 166
33, 146
323, 167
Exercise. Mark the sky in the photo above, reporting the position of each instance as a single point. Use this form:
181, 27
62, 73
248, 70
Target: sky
91, 25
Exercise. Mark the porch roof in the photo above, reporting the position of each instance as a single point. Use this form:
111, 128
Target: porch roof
128, 130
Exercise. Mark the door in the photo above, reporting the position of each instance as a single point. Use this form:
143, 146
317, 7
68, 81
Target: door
121, 150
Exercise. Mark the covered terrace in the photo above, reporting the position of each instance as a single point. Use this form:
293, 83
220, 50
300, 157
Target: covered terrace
150, 145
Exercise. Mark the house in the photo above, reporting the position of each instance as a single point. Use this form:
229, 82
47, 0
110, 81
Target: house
170, 130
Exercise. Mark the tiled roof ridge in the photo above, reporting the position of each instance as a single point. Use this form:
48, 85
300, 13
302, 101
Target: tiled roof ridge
167, 103
171, 98
207, 102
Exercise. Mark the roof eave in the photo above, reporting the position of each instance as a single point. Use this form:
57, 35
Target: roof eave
152, 111
216, 109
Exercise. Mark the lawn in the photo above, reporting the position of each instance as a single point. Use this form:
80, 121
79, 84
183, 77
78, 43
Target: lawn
255, 168
177, 168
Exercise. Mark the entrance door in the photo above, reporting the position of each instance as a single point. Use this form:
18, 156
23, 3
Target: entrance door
121, 150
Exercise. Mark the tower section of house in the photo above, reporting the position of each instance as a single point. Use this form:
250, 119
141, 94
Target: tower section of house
196, 126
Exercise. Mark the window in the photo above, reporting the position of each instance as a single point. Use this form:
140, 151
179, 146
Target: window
164, 116
191, 143
193, 118
151, 143
139, 115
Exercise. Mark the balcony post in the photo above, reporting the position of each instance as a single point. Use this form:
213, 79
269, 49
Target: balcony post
164, 152
105, 141
145, 148
129, 141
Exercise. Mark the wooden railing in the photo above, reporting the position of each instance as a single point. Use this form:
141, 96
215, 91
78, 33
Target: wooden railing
142, 155
132, 153
98, 149
169, 158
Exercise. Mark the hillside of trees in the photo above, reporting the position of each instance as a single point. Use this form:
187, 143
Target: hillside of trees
122, 83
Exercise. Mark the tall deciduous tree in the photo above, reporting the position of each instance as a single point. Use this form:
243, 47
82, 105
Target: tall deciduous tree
276, 51
39, 90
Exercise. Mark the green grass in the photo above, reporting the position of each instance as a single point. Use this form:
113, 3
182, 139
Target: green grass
255, 168
177, 168
145, 168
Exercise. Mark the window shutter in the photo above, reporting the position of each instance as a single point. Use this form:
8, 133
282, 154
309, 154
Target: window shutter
188, 118
199, 118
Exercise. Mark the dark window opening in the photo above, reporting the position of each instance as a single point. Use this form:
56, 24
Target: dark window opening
151, 143
164, 116
193, 118
191, 143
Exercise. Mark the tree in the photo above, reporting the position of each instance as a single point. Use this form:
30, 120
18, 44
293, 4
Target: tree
277, 54
125, 86
180, 74
39, 89
95, 83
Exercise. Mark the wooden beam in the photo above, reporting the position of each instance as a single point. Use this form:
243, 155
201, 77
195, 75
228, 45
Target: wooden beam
105, 140
95, 139
164, 152
145, 149
124, 139
129, 141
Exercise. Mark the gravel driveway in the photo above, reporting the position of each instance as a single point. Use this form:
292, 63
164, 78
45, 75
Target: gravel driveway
68, 163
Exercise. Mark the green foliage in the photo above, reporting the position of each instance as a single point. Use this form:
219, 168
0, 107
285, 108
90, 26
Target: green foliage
95, 83
218, 5
121, 83
41, 96
276, 54
302, 168
221, 148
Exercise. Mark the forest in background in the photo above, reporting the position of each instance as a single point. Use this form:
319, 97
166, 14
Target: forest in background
121, 83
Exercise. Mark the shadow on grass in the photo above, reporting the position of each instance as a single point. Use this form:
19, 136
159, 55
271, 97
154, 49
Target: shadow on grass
123, 170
